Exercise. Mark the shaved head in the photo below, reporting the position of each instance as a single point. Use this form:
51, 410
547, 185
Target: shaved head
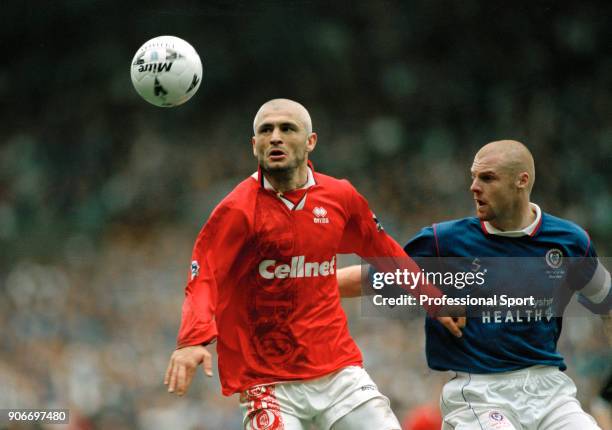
503, 173
511, 156
282, 139
295, 109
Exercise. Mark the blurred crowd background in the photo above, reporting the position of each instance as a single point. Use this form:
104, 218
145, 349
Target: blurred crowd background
102, 195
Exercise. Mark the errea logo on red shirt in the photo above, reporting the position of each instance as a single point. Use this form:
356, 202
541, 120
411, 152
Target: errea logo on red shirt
299, 268
320, 215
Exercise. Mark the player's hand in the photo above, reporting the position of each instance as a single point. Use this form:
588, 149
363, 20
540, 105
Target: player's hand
453, 318
183, 365
453, 324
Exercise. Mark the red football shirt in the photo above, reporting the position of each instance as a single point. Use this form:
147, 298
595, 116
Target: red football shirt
263, 280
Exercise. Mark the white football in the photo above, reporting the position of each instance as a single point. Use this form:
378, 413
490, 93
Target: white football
166, 71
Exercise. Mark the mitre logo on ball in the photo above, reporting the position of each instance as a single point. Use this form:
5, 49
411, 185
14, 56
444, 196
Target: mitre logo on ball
166, 71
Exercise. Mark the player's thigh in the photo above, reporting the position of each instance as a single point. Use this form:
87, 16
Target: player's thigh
568, 416
269, 407
273, 419
373, 414
483, 419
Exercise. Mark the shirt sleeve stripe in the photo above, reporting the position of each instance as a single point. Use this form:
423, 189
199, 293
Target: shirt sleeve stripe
599, 286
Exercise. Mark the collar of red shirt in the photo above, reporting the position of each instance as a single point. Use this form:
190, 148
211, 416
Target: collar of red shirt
294, 199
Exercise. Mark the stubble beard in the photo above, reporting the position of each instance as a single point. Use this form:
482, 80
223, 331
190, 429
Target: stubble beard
282, 173
488, 215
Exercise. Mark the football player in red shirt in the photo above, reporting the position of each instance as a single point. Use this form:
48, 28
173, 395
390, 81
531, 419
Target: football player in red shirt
263, 286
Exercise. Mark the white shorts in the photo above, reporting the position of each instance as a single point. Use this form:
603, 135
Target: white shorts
536, 398
327, 402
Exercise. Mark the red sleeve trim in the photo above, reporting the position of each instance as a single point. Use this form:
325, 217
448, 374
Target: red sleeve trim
537, 228
586, 252
435, 232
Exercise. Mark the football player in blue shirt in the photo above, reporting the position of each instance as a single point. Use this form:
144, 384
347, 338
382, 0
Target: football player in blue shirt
508, 372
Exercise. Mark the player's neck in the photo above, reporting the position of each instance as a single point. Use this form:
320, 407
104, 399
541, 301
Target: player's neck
288, 180
522, 218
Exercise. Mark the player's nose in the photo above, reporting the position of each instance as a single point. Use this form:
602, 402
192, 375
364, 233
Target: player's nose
276, 136
475, 187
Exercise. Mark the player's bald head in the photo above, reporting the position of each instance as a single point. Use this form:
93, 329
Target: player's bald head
290, 107
509, 155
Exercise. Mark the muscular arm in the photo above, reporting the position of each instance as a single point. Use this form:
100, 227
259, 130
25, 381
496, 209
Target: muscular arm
216, 248
349, 281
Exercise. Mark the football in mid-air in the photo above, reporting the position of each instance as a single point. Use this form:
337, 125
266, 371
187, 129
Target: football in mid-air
166, 71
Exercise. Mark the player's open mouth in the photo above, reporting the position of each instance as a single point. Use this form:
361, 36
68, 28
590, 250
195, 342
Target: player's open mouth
276, 155
480, 203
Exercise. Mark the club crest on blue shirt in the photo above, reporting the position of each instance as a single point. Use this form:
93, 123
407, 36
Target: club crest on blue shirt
195, 269
554, 258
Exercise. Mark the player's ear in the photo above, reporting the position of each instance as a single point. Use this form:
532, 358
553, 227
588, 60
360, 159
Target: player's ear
522, 181
253, 143
311, 142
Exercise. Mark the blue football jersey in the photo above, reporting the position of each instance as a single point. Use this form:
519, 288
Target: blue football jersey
501, 341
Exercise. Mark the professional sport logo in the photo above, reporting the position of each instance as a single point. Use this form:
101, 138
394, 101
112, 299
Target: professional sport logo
554, 258
320, 215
